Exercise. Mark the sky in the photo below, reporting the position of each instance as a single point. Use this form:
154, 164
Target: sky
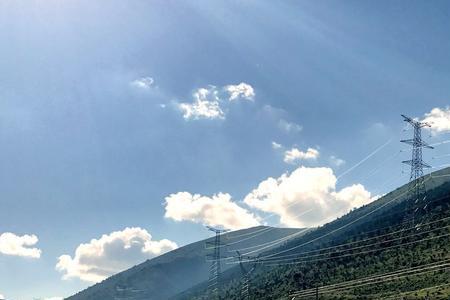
126, 126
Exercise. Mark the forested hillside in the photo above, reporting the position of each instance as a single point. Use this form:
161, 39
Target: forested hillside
177, 270
389, 249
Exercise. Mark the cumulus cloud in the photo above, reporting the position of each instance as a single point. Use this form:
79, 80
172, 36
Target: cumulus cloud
289, 126
295, 155
218, 210
336, 161
306, 189
240, 91
11, 244
112, 253
276, 146
206, 105
144, 83
2, 297
439, 119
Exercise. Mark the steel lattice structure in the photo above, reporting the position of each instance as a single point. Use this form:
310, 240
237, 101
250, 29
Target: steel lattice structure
417, 184
215, 269
246, 273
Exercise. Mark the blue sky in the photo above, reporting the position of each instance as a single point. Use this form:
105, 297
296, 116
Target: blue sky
94, 140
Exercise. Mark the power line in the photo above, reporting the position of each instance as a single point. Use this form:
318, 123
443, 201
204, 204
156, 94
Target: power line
265, 258
269, 244
374, 280
262, 231
266, 230
339, 228
396, 295
351, 283
361, 241
379, 166
256, 233
275, 263
298, 257
364, 159
230, 236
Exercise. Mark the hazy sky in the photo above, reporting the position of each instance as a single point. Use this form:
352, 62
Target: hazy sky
162, 116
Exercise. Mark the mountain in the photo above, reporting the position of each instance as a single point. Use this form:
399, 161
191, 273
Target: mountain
397, 247
342, 259
178, 270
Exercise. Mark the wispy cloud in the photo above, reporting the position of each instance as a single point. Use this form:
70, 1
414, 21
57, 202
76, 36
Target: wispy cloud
336, 161
276, 146
144, 83
289, 126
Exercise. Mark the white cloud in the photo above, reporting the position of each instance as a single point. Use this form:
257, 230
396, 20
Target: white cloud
306, 189
295, 155
276, 146
336, 161
218, 210
11, 244
206, 105
2, 297
112, 253
439, 119
289, 126
144, 83
240, 91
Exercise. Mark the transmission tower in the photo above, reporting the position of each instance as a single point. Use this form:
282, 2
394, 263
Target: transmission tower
246, 273
215, 269
417, 190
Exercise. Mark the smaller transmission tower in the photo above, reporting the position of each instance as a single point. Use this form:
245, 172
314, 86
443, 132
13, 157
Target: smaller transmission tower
215, 269
417, 183
246, 273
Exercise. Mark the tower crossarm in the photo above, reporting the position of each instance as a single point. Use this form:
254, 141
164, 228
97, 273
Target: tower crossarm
216, 230
411, 162
417, 143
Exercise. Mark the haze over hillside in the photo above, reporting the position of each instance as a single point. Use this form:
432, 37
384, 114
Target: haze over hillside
180, 269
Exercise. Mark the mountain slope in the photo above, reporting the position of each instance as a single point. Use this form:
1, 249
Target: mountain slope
177, 270
372, 240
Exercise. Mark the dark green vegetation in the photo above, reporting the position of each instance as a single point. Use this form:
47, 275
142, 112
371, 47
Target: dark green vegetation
371, 253
175, 271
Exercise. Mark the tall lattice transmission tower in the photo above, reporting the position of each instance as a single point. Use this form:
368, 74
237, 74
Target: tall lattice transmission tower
215, 257
247, 273
417, 191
